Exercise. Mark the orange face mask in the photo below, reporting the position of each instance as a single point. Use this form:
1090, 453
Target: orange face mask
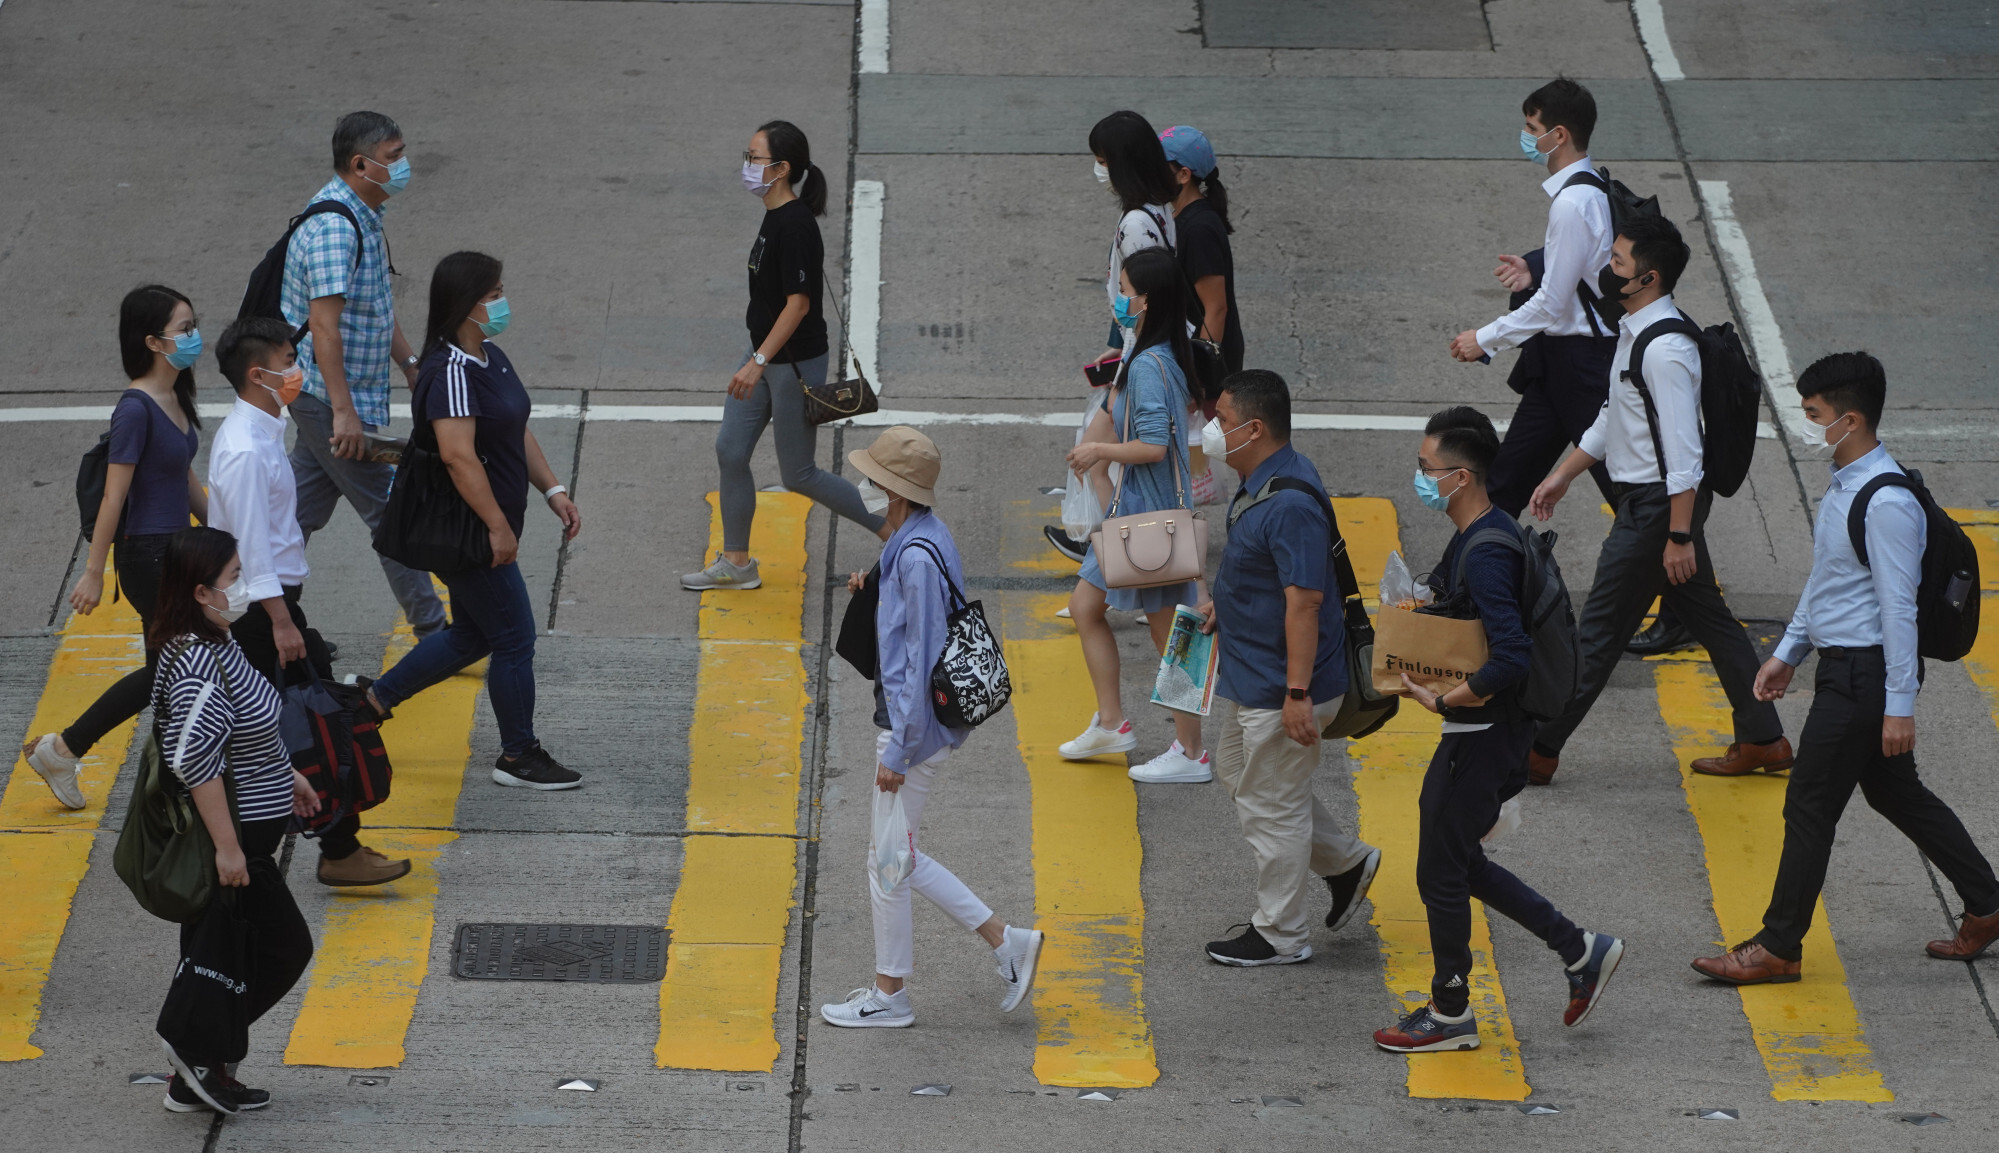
290, 382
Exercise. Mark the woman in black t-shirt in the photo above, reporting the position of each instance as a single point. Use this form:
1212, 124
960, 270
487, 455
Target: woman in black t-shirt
1201, 216
477, 408
788, 352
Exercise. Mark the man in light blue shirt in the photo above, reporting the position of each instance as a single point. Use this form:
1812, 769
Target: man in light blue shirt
1861, 731
336, 286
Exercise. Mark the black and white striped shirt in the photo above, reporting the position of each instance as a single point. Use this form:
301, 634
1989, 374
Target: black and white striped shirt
205, 721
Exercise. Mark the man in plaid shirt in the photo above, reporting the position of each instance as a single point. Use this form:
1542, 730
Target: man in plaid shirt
336, 283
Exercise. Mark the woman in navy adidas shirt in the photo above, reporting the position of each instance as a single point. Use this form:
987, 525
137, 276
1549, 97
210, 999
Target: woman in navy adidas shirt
216, 714
474, 401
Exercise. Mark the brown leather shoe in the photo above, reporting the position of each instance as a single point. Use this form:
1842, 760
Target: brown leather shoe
1974, 935
1540, 769
363, 867
1741, 760
1748, 964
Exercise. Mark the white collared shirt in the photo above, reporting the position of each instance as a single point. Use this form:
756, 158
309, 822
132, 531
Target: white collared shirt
1621, 436
252, 496
1575, 250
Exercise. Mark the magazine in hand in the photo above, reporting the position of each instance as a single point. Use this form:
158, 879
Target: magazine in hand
1186, 680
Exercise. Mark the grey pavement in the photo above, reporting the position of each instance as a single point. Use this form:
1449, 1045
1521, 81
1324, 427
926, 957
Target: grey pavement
1368, 149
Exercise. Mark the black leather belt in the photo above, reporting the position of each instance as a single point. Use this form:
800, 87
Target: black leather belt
1841, 652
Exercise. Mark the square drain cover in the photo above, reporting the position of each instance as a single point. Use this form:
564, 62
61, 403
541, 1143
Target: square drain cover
601, 954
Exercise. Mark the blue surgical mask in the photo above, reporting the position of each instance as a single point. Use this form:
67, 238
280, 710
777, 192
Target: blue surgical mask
399, 175
1432, 497
1121, 309
187, 348
1530, 145
497, 315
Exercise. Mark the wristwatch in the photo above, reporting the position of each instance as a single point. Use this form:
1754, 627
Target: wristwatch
1298, 694
760, 359
410, 361
1680, 537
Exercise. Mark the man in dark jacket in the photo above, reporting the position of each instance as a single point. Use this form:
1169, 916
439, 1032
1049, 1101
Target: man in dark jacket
1481, 762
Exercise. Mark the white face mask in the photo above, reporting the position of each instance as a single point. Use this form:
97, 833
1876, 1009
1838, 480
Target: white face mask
872, 498
1214, 440
1103, 174
1814, 434
239, 601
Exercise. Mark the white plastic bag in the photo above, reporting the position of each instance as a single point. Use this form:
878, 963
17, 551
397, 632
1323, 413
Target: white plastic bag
1398, 588
1508, 822
892, 854
1082, 512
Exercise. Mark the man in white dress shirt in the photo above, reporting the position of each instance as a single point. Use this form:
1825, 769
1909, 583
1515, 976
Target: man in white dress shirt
1861, 732
1657, 546
253, 497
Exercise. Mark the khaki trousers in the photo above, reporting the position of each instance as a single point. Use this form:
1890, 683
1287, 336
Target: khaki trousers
1292, 833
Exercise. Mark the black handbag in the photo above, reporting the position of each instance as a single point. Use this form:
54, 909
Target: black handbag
427, 525
207, 1010
831, 400
857, 644
969, 682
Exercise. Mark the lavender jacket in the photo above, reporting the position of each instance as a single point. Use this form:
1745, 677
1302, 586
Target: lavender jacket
910, 624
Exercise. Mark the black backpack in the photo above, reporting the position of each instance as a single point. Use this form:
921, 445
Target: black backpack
267, 281
1625, 206
1362, 710
1947, 599
90, 476
1731, 401
1554, 670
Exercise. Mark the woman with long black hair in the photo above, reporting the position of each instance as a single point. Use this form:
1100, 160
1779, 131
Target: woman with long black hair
218, 717
1152, 401
474, 401
788, 353
149, 492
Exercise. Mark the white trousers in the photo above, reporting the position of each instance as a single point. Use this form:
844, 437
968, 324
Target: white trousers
895, 946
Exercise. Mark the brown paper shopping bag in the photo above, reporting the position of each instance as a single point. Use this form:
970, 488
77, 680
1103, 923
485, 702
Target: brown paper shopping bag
1437, 652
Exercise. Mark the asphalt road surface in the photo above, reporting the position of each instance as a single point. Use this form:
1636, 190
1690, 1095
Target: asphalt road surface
1831, 162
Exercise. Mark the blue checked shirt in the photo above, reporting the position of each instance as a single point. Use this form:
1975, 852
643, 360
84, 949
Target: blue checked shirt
1847, 605
321, 263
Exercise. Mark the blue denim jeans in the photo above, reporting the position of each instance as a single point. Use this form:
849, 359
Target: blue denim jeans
490, 615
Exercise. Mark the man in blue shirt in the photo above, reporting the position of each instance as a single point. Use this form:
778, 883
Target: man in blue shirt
1861, 730
1481, 762
1279, 685
336, 284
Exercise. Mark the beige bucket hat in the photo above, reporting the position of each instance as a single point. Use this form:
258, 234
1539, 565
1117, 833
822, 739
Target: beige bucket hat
902, 461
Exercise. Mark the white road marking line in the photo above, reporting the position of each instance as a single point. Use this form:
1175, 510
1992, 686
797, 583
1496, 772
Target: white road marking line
874, 35
1652, 30
864, 278
1764, 335
712, 413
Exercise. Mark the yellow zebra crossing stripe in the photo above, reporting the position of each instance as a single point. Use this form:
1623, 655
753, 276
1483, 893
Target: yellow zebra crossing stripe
374, 949
1388, 779
45, 848
1088, 993
733, 905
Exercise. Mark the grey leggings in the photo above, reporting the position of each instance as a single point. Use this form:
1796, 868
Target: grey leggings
778, 400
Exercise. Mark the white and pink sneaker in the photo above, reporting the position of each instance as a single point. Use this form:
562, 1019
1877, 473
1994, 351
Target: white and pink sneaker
1174, 767
1100, 742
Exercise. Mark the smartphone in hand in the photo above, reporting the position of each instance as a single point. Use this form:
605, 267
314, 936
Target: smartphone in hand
1100, 375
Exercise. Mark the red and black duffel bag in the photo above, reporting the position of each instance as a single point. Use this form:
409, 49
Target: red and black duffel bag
336, 744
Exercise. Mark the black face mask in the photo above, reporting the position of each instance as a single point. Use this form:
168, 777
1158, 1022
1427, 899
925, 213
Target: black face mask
1611, 294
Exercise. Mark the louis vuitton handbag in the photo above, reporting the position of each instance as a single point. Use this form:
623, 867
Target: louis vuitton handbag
831, 400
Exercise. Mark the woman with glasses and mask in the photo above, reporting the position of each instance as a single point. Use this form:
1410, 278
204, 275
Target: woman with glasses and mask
788, 354
150, 490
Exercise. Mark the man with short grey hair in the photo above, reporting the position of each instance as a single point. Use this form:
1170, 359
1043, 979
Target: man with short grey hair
336, 287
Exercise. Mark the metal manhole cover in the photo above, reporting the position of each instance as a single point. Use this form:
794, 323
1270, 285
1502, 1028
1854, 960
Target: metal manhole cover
601, 954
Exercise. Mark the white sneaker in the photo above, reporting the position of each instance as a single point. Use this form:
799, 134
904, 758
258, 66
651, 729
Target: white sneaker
1063, 613
1018, 957
1141, 619
870, 1008
1174, 767
59, 771
1096, 742
723, 575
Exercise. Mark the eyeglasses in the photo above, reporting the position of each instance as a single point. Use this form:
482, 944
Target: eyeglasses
1421, 467
753, 158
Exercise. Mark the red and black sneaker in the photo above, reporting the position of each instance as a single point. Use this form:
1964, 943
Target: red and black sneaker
1601, 953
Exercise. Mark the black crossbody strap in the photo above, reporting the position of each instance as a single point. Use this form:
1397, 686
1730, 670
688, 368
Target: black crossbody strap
958, 600
1343, 573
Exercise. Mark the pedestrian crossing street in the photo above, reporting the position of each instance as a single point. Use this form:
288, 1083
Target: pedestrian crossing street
730, 917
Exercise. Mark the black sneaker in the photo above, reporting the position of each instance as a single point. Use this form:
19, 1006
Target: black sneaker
1065, 544
181, 1097
1251, 950
535, 769
1350, 889
198, 1085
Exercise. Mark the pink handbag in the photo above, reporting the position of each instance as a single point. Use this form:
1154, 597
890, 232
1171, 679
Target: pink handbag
1149, 549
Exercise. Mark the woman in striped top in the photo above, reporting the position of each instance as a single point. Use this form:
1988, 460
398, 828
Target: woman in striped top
216, 714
